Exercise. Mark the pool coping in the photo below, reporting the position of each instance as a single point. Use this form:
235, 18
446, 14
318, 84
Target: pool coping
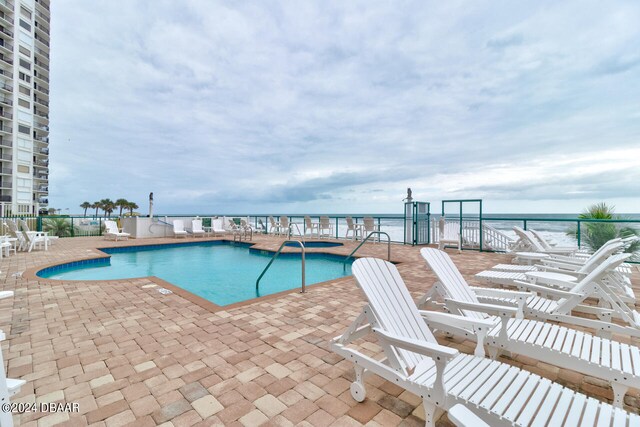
31, 274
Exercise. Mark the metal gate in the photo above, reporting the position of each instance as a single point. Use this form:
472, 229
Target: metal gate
417, 217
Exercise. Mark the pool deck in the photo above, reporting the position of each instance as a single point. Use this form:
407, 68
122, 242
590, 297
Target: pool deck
130, 355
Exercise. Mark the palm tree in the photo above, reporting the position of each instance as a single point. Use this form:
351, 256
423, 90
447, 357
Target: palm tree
107, 206
97, 206
596, 234
85, 206
60, 227
131, 206
122, 204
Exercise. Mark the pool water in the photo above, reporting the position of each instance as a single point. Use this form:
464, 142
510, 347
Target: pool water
221, 272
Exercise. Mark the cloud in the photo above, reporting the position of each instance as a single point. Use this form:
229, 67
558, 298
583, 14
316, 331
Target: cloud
312, 106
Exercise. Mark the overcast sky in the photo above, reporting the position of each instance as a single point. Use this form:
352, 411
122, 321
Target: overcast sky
338, 107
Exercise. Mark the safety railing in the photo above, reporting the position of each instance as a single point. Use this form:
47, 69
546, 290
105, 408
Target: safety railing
273, 258
379, 233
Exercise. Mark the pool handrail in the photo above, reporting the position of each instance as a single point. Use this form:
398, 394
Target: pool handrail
275, 255
365, 240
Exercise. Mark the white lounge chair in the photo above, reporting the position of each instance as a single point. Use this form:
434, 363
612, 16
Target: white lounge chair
275, 226
285, 227
550, 247
33, 239
449, 234
178, 228
554, 273
353, 228
313, 228
498, 393
247, 228
36, 235
369, 226
325, 228
113, 232
534, 245
196, 228
561, 308
608, 360
217, 226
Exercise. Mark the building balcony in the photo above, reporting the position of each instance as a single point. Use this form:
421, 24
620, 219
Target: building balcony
43, 201
6, 32
43, 4
6, 142
41, 89
6, 59
43, 177
6, 115
43, 16
42, 139
6, 129
42, 41
42, 28
6, 101
4, 198
43, 79
6, 157
43, 103
41, 54
6, 171
6, 6
6, 184
6, 87
6, 47
44, 151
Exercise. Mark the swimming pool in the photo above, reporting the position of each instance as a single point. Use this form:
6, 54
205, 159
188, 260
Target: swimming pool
218, 271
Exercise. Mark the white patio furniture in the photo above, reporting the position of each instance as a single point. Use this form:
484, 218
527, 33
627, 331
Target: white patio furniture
178, 228
553, 344
498, 393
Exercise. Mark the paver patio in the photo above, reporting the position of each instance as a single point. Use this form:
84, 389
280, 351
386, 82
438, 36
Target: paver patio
130, 355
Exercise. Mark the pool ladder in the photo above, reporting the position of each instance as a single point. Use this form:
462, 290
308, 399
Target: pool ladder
378, 233
273, 258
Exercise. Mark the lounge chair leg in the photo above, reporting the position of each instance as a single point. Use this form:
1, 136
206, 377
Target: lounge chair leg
619, 390
358, 392
431, 413
494, 352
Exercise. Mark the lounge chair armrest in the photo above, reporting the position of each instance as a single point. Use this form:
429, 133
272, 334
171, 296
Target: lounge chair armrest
496, 310
455, 320
500, 293
545, 290
554, 269
560, 264
433, 350
566, 259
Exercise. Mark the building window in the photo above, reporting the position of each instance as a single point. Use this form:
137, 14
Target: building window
24, 50
25, 77
24, 183
24, 156
25, 143
23, 169
25, 12
24, 196
25, 90
24, 103
24, 129
25, 25
25, 64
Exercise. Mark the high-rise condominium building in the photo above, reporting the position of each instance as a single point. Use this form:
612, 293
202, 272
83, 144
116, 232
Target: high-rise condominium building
24, 106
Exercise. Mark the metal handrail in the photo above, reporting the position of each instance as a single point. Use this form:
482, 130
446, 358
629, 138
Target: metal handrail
273, 258
365, 240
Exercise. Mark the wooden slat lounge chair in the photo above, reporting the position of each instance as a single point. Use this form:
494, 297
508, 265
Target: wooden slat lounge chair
178, 228
113, 232
559, 309
608, 360
196, 228
498, 393
553, 273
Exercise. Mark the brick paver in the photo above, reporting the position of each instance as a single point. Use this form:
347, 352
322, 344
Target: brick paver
130, 355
